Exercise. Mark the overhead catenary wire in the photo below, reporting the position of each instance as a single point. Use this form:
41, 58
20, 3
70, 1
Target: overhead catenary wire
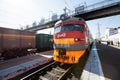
71, 4
67, 6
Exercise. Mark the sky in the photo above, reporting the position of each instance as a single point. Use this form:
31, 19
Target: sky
19, 13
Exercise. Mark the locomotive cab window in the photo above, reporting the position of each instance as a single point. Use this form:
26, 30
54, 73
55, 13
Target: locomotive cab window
57, 29
71, 27
68, 27
78, 27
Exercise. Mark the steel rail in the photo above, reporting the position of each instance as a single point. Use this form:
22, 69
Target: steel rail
28, 76
64, 74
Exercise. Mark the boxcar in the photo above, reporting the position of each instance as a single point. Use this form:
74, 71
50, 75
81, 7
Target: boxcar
15, 43
43, 42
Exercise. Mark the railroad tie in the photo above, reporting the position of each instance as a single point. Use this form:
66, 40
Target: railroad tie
59, 70
52, 74
43, 78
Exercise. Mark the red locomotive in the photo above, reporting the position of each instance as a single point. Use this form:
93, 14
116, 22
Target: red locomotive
71, 39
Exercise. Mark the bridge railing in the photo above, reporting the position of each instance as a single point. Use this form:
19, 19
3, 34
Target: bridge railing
88, 8
95, 6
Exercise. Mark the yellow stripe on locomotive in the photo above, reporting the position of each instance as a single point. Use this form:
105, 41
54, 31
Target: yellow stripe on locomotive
69, 56
65, 50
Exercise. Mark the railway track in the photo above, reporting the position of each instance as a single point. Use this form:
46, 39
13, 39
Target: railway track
53, 71
59, 71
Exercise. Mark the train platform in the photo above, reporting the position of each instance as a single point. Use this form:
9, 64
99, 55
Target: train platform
110, 57
17, 66
103, 63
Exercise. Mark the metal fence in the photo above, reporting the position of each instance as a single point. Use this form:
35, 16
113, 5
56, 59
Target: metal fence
86, 8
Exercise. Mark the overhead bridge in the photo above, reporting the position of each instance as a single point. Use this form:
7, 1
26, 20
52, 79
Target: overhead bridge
89, 13
104, 11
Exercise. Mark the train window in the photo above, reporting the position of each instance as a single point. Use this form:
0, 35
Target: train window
57, 29
78, 27
68, 27
71, 27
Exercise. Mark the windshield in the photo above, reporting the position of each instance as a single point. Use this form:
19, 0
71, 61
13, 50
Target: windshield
71, 27
68, 27
57, 29
78, 27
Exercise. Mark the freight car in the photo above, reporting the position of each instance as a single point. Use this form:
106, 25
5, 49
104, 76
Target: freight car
71, 40
43, 42
14, 43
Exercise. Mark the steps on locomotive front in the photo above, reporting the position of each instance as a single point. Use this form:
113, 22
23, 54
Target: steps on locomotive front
92, 69
15, 70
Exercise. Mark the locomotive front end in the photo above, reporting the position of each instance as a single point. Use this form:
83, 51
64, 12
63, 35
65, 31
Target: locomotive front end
69, 41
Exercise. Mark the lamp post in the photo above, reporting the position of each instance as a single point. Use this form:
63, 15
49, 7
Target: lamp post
50, 14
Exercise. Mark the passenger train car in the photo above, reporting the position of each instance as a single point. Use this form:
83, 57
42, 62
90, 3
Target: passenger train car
71, 40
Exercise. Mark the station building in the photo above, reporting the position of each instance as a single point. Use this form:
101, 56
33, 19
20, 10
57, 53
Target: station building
112, 34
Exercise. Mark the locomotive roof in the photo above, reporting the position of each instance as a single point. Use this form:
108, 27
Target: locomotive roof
70, 19
73, 19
